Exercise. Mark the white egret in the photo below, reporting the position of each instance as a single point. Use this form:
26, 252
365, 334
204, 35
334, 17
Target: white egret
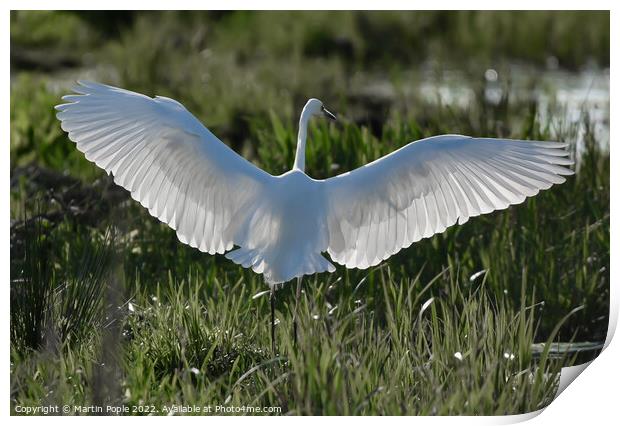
280, 226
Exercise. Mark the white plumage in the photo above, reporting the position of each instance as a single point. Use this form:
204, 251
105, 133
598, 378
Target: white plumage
281, 225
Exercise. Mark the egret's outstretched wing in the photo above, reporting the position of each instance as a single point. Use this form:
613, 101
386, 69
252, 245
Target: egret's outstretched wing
168, 160
426, 186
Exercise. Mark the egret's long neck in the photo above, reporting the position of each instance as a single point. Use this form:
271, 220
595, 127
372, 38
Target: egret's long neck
300, 154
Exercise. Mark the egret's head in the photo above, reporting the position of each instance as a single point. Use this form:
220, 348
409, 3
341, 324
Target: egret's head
314, 107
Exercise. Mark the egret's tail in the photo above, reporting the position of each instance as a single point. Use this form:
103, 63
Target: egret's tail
282, 267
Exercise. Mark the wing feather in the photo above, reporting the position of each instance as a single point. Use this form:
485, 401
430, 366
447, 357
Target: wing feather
429, 185
170, 162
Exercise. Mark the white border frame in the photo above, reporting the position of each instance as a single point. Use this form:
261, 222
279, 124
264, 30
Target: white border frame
592, 397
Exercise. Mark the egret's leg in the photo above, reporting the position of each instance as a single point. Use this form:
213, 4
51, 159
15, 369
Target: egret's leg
273, 320
297, 295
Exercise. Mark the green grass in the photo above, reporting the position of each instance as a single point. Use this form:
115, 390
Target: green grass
108, 307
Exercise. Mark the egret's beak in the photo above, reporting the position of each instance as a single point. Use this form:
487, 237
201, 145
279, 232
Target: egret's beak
328, 114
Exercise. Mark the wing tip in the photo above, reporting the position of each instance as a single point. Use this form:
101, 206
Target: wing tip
552, 144
88, 83
71, 99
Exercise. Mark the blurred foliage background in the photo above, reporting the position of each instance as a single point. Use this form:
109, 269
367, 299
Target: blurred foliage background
108, 306
233, 69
